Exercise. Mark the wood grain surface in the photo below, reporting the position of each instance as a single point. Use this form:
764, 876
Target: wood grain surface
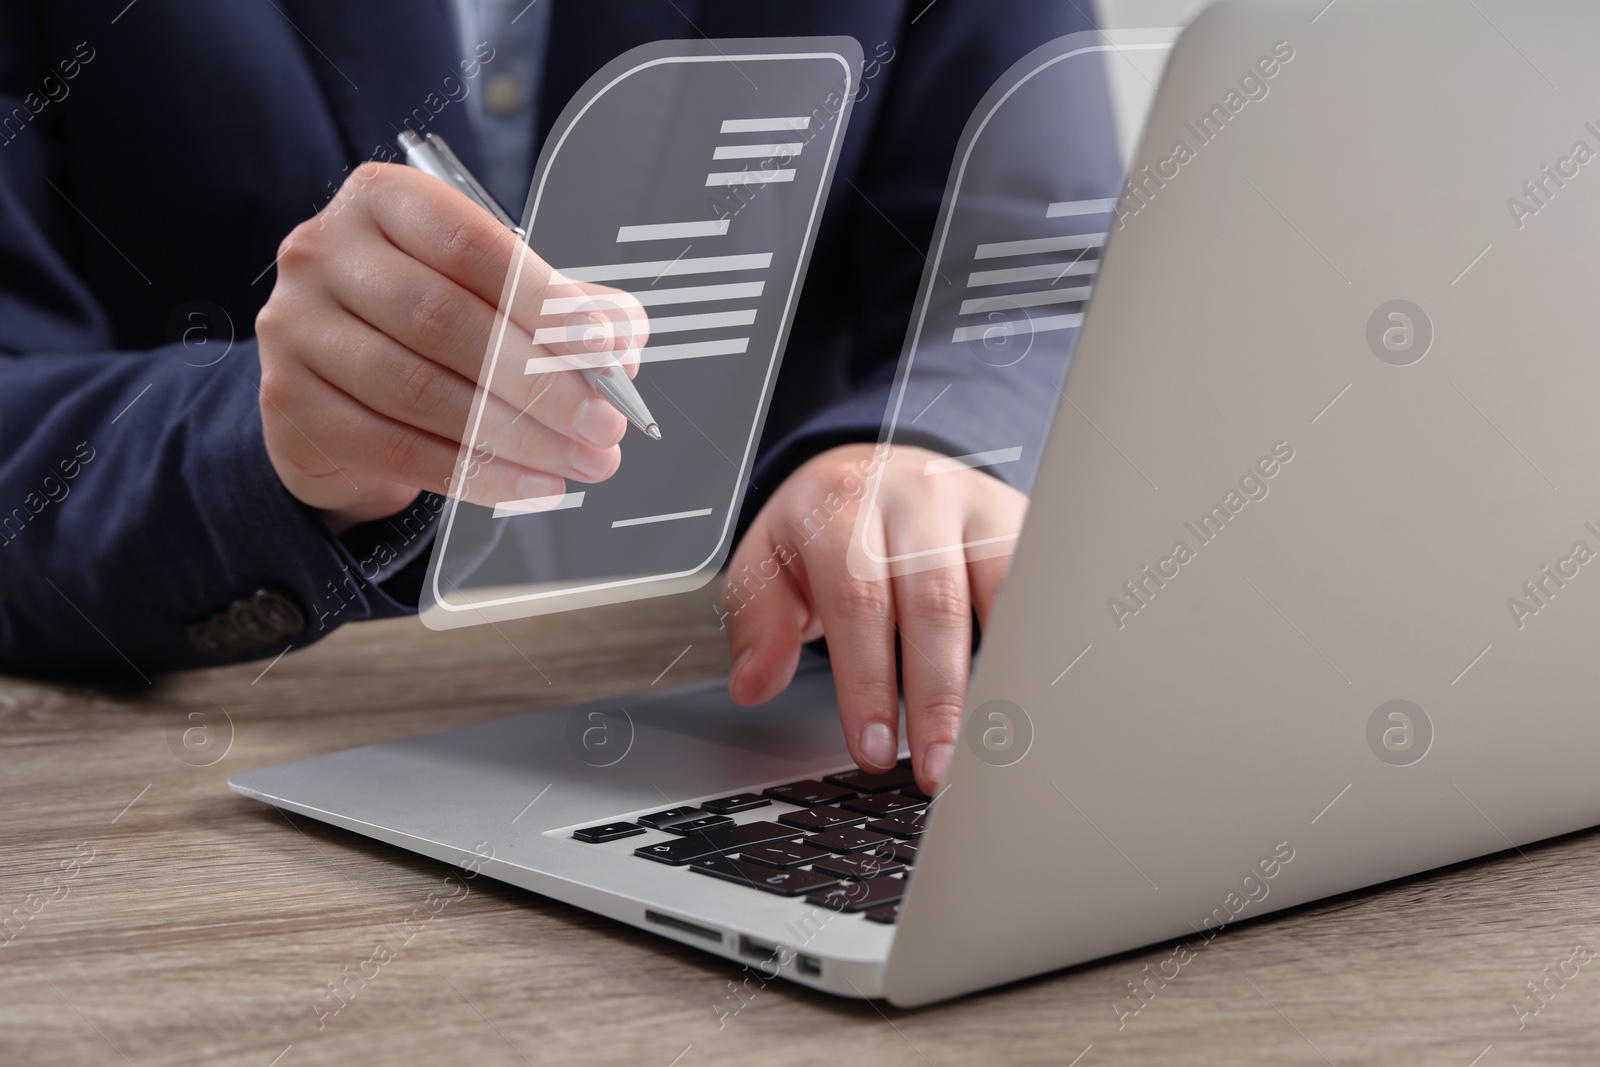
153, 917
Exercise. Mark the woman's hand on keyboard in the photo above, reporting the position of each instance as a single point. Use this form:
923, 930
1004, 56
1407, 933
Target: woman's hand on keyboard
857, 545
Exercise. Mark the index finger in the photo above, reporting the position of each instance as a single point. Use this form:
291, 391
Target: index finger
438, 226
858, 620
434, 224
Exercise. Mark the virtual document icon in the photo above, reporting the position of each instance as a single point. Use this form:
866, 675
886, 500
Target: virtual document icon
677, 199
1031, 199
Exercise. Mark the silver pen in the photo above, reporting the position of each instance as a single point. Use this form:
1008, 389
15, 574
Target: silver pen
432, 156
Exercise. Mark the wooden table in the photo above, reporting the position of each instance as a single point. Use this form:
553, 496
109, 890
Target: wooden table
167, 921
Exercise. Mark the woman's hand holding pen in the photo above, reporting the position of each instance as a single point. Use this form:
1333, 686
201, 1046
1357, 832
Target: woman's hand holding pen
373, 342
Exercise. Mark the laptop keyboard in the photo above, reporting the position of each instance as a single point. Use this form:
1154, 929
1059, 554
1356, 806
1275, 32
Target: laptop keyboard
847, 842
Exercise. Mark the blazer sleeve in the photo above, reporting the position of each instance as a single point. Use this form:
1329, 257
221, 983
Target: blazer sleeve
136, 497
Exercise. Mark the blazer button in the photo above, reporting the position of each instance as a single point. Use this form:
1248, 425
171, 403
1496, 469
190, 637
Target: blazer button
279, 613
250, 623
203, 637
217, 638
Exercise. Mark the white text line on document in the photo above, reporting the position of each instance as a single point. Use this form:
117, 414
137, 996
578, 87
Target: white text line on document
727, 346
694, 294
1073, 295
710, 320
667, 231
1070, 243
645, 520
535, 504
797, 122
1037, 273
788, 149
1068, 208
749, 177
666, 268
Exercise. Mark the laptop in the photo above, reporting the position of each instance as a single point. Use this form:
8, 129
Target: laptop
1306, 599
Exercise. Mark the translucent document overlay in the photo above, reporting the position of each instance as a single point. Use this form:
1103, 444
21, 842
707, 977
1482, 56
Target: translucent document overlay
1027, 211
677, 199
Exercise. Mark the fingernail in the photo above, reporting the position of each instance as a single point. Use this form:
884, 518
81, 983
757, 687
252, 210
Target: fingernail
592, 464
936, 760
530, 486
598, 423
589, 330
877, 744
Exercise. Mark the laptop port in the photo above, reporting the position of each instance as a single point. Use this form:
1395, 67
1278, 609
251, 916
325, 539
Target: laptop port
756, 950
685, 925
809, 966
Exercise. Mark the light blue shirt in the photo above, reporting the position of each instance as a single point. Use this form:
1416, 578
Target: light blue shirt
504, 107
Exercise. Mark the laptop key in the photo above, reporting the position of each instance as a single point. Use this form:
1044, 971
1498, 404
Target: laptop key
880, 805
860, 896
658, 819
790, 883
703, 822
885, 850
808, 793
784, 854
611, 831
715, 842
846, 839
908, 826
737, 802
823, 818
867, 782
905, 851
858, 867
888, 914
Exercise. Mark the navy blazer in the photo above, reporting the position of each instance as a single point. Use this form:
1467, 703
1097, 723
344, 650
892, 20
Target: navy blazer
152, 157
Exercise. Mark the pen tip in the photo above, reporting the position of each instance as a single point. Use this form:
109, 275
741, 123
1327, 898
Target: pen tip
653, 432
